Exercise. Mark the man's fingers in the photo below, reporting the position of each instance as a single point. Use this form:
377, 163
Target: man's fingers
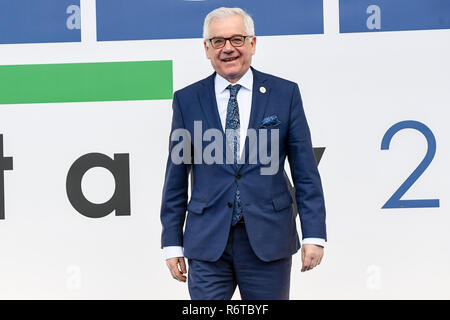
173, 274
176, 273
172, 264
303, 259
182, 265
314, 261
320, 260
311, 256
306, 263
311, 263
172, 268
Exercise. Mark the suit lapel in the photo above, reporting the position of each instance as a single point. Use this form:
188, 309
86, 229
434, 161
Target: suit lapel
208, 102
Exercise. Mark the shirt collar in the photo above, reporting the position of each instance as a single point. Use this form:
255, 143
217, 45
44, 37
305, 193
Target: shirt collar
221, 84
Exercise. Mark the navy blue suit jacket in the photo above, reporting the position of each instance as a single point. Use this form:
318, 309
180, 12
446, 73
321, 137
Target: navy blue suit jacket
267, 203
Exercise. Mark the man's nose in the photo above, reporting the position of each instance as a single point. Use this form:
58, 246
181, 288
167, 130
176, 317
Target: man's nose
228, 47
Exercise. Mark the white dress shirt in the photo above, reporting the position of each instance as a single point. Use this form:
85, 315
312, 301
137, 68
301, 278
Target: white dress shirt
244, 99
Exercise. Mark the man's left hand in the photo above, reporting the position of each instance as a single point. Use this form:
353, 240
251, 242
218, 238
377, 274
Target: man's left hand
311, 256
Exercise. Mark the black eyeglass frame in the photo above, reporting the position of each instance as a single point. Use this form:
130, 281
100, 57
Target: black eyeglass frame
225, 42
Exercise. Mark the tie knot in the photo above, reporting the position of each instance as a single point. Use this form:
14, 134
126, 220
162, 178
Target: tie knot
234, 90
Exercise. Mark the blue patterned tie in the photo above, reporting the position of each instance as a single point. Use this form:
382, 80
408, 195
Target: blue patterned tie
233, 122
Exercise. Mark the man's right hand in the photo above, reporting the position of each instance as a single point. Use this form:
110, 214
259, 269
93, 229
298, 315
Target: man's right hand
177, 267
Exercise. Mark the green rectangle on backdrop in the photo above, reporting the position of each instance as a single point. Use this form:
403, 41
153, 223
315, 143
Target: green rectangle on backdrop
83, 82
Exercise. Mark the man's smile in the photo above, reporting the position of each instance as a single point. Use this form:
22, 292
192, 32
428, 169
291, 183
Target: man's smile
229, 59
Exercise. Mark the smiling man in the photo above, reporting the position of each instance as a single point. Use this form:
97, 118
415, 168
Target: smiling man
240, 228
230, 59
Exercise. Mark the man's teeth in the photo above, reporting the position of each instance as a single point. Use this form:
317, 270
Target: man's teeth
229, 59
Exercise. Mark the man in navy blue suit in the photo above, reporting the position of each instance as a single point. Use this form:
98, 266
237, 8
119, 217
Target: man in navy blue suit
240, 228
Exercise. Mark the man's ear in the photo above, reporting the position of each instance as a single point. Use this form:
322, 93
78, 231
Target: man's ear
253, 45
206, 48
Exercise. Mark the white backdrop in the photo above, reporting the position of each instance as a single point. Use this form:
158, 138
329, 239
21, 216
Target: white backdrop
354, 88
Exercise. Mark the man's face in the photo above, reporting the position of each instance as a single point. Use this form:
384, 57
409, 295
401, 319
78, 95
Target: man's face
226, 27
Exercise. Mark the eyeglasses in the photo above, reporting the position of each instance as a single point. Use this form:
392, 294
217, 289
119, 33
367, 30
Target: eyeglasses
236, 41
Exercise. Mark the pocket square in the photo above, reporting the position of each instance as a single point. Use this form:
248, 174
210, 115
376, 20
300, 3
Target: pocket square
270, 121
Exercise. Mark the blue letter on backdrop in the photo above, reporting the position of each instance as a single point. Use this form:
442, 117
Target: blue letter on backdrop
393, 15
39, 21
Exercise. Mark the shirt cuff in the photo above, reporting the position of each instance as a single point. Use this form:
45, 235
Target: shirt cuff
316, 241
173, 252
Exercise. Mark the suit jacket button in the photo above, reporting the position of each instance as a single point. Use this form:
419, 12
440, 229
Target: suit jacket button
229, 204
238, 176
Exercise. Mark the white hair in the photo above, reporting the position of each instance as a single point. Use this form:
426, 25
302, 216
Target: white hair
227, 12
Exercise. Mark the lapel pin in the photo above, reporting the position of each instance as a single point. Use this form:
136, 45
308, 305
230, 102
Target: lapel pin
262, 89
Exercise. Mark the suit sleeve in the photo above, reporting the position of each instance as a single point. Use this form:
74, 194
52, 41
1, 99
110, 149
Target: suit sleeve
304, 172
175, 190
